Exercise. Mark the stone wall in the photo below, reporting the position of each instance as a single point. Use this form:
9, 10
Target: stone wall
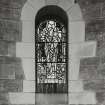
78, 48
11, 70
92, 70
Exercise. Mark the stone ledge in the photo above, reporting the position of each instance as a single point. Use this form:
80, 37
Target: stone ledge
82, 98
21, 98
51, 99
17, 98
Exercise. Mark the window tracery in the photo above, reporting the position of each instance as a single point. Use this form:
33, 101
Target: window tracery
51, 52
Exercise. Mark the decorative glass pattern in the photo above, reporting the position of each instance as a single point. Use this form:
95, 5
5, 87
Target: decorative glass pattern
51, 55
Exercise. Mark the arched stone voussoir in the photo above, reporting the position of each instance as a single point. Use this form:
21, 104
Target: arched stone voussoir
66, 4
31, 8
27, 13
75, 13
52, 2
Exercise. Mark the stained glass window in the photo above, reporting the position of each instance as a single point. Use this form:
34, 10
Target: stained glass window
51, 56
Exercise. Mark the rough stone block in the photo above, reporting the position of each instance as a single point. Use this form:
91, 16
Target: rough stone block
6, 13
10, 30
12, 3
100, 96
103, 60
3, 48
4, 99
101, 40
101, 44
95, 30
11, 85
19, 72
90, 36
90, 61
7, 48
89, 68
92, 69
96, 7
95, 27
88, 73
94, 85
101, 51
103, 10
12, 49
92, 12
89, 2
11, 68
7, 71
9, 60
101, 70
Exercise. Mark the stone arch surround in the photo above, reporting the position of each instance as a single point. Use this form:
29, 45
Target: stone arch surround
78, 49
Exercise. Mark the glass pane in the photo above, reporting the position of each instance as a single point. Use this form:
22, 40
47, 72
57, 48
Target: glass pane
51, 73
51, 52
51, 57
51, 31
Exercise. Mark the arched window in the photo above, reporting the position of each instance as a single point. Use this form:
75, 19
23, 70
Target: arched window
51, 50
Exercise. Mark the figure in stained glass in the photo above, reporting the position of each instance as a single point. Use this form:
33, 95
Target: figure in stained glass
51, 52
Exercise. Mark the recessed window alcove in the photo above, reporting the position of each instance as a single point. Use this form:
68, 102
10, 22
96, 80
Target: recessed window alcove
51, 55
56, 32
